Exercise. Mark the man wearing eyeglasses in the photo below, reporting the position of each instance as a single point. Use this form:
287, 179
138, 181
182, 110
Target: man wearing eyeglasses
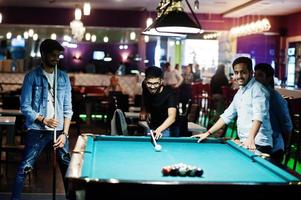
159, 104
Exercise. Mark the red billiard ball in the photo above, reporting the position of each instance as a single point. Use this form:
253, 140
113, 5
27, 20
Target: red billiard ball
166, 171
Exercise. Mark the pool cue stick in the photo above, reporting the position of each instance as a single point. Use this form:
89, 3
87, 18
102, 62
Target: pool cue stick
54, 137
153, 137
151, 131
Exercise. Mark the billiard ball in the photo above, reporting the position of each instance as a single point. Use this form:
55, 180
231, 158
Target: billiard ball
182, 171
158, 147
166, 171
174, 171
198, 172
191, 172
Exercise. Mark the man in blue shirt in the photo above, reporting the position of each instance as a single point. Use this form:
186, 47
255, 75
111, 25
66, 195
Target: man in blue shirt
279, 113
250, 105
42, 116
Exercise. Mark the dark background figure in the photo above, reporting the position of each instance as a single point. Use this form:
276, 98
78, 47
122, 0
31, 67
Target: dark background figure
90, 67
185, 91
121, 69
114, 85
130, 65
279, 112
184, 102
218, 80
177, 67
196, 73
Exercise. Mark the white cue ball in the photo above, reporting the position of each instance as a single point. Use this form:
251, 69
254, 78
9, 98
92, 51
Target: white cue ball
158, 147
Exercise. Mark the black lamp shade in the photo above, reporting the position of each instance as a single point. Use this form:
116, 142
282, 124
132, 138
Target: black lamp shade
151, 30
177, 22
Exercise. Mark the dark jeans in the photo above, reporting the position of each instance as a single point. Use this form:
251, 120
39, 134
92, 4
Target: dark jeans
264, 149
278, 156
35, 142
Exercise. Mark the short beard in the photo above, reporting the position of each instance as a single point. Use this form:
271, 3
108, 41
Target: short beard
48, 64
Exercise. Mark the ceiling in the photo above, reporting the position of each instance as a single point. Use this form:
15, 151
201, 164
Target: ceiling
229, 8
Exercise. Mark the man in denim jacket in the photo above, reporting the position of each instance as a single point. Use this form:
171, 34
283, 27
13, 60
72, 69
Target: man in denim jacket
37, 105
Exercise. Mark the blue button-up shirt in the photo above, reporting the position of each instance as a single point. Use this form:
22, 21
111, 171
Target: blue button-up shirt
34, 97
280, 119
251, 102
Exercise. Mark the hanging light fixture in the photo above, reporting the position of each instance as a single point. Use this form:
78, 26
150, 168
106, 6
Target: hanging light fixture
78, 14
173, 20
256, 27
87, 8
151, 31
196, 5
77, 29
77, 26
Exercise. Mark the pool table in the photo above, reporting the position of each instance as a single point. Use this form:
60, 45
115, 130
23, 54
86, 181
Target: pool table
129, 166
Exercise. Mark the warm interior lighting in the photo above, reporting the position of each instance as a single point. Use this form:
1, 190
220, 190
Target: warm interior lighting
53, 36
154, 32
173, 20
88, 36
212, 36
149, 21
77, 29
25, 35
146, 38
196, 5
0, 18
93, 38
251, 28
78, 14
30, 32
35, 37
87, 8
105, 39
8, 35
132, 35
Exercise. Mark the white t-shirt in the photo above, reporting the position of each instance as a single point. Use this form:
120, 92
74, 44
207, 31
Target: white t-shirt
50, 100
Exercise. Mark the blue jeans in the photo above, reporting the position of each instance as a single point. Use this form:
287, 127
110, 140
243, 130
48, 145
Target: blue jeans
35, 142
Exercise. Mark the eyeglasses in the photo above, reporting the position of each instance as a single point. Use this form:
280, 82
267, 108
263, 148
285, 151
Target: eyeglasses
155, 84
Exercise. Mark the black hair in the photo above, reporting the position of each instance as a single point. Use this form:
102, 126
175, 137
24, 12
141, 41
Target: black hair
153, 72
220, 69
267, 69
244, 60
49, 45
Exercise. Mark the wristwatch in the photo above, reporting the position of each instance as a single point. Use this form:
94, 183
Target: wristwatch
66, 134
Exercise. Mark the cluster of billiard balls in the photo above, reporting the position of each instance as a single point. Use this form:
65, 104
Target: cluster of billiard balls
182, 170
